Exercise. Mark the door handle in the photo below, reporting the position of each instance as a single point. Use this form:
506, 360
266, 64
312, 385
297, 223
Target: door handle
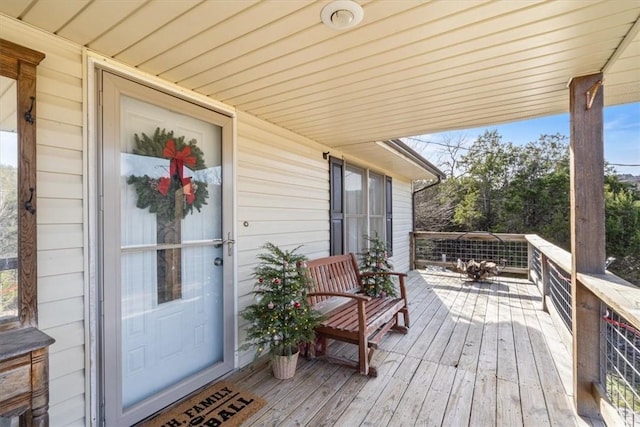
230, 242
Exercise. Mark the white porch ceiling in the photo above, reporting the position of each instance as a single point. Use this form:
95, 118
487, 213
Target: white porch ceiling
411, 67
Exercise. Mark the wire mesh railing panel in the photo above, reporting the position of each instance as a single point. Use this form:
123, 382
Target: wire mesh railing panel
517, 254
560, 293
620, 364
513, 254
536, 262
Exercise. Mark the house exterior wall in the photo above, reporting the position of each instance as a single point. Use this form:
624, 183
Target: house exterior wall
282, 196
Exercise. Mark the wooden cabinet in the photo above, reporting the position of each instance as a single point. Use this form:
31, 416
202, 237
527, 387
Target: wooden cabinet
24, 375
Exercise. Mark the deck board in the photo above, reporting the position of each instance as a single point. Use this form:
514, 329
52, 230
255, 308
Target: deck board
437, 396
469, 357
391, 396
477, 354
409, 408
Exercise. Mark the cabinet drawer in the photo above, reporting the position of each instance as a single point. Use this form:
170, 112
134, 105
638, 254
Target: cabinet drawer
15, 380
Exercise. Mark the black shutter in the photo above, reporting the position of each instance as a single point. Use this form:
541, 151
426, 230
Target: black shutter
388, 214
336, 210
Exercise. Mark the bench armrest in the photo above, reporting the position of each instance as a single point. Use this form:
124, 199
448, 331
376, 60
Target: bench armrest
340, 294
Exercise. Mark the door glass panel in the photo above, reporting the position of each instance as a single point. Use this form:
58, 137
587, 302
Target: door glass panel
8, 200
171, 254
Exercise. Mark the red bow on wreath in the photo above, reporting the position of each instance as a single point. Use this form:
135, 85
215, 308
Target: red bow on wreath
178, 159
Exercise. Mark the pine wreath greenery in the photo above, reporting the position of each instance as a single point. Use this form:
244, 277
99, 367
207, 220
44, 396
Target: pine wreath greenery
376, 260
159, 194
281, 319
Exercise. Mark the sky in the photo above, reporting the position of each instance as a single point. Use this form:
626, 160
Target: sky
621, 136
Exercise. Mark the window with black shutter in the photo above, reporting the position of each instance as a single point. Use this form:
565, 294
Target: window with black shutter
388, 214
336, 212
360, 206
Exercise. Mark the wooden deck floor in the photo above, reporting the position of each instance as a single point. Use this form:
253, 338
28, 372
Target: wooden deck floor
477, 354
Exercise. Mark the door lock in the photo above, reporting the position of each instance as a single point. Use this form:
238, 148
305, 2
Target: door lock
230, 242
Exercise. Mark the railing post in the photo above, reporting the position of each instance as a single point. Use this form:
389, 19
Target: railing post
587, 232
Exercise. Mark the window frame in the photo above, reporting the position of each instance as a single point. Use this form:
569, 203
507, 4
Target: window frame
338, 206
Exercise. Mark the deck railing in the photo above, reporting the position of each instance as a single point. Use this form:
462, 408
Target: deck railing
621, 364
510, 251
560, 293
614, 352
617, 390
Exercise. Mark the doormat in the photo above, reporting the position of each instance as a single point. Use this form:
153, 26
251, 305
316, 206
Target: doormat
221, 404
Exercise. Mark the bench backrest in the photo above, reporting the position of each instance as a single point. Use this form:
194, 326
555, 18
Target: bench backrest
337, 273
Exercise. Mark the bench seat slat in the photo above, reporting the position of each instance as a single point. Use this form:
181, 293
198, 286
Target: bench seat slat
379, 312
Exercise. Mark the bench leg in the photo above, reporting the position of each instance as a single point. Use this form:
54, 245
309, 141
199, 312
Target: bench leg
405, 313
363, 354
373, 372
404, 329
320, 347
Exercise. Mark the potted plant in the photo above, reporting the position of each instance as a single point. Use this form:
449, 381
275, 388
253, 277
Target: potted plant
281, 319
376, 260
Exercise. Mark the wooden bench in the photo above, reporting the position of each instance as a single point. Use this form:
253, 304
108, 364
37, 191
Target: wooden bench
350, 315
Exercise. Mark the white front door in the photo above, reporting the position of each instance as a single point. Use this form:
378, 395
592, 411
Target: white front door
166, 264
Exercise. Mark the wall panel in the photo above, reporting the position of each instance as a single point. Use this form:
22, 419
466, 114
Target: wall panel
402, 224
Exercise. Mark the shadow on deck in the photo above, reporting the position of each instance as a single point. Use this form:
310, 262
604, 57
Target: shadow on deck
477, 354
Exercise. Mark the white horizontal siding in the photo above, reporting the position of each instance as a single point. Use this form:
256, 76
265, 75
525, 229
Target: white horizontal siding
69, 335
63, 361
73, 382
59, 236
283, 195
402, 224
59, 160
61, 287
59, 135
60, 216
69, 413
59, 185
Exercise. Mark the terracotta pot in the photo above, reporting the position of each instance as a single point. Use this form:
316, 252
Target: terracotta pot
284, 367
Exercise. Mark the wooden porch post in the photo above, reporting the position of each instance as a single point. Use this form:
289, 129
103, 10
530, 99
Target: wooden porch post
587, 232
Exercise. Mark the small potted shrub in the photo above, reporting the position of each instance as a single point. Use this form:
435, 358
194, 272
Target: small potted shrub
376, 260
281, 319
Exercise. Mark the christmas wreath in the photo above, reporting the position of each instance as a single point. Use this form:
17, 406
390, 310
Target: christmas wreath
159, 194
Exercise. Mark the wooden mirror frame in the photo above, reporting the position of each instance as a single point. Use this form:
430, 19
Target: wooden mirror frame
19, 63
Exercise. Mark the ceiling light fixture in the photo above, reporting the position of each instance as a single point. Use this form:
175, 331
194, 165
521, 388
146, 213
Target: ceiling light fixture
342, 14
